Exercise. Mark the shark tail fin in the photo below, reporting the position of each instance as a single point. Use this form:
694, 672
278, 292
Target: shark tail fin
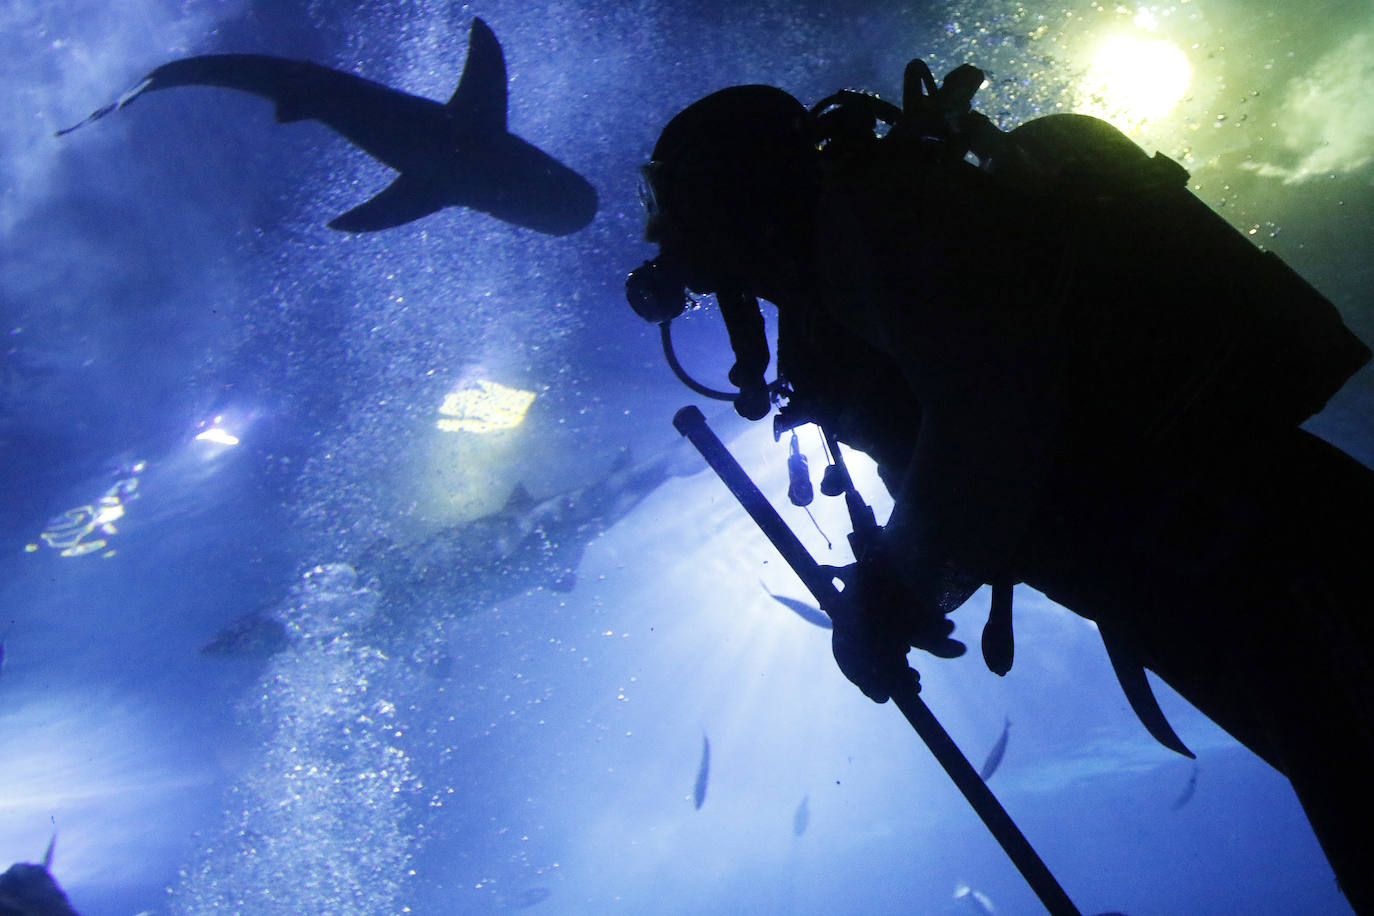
117, 104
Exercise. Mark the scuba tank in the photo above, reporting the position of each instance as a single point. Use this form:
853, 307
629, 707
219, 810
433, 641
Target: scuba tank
1228, 335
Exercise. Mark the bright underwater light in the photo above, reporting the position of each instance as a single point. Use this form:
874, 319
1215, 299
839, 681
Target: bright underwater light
484, 407
1133, 80
222, 432
218, 435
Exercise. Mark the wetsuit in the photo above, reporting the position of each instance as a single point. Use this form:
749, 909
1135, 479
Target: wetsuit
1074, 375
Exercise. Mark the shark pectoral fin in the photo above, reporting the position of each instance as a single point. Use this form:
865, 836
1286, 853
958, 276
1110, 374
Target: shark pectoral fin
1130, 673
481, 94
403, 200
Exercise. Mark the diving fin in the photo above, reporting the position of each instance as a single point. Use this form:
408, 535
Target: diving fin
1130, 673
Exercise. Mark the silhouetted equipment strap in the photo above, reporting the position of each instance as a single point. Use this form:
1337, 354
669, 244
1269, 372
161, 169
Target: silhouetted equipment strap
690, 422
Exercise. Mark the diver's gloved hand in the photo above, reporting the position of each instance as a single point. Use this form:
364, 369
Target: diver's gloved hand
869, 654
877, 622
877, 583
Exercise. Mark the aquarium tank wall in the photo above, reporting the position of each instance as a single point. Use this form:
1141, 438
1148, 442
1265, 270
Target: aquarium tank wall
363, 572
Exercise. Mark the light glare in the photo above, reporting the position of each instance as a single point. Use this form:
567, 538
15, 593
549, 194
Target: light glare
1133, 80
218, 435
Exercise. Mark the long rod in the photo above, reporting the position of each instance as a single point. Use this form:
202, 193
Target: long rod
690, 422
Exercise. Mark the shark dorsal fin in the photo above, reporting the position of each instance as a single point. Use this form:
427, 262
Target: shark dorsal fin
519, 499
481, 93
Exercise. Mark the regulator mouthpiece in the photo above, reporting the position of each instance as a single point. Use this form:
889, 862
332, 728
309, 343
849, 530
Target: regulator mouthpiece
656, 291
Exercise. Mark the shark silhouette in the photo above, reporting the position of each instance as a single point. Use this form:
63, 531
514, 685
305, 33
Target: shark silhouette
453, 154
527, 544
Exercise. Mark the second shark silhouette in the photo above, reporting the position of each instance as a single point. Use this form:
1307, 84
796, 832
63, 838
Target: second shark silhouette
472, 565
453, 154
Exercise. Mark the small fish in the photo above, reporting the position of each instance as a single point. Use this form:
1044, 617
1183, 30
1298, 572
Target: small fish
254, 635
977, 901
703, 773
1188, 790
994, 759
808, 612
802, 816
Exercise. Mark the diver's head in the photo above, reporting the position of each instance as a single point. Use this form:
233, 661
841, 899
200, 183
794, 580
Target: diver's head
729, 189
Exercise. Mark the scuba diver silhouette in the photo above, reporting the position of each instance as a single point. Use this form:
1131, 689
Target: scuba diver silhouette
1072, 374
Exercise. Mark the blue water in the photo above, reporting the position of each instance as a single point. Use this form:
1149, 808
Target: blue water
168, 271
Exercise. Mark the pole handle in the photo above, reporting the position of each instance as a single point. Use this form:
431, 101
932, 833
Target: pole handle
690, 422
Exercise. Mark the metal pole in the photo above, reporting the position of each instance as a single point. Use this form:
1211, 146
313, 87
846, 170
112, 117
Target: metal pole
690, 423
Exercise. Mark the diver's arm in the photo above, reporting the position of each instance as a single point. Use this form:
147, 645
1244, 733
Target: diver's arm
959, 305
990, 381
